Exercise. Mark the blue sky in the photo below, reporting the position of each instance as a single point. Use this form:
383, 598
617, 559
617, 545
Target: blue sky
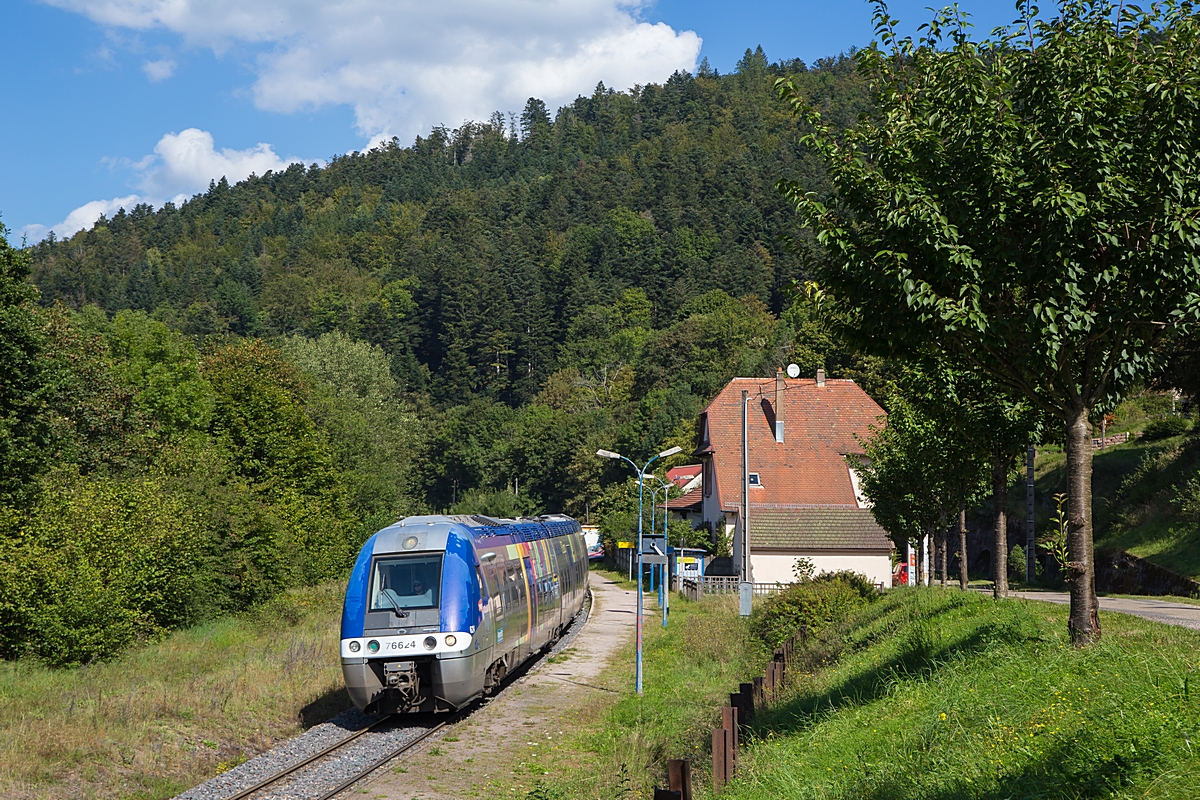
112, 102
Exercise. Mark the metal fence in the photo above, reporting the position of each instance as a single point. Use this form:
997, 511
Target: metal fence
695, 588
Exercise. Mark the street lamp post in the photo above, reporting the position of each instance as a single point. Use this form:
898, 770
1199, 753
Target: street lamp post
653, 521
641, 473
664, 589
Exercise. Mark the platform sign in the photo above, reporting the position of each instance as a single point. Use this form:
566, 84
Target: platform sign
654, 545
625, 545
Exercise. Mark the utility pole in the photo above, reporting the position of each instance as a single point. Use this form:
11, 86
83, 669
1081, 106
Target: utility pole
1030, 541
746, 588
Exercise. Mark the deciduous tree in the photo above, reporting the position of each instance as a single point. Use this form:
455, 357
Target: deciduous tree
1026, 203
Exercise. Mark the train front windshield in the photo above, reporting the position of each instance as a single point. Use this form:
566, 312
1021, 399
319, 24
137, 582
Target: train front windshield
406, 582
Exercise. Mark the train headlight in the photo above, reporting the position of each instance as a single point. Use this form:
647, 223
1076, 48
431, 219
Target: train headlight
451, 640
373, 646
430, 642
409, 543
355, 647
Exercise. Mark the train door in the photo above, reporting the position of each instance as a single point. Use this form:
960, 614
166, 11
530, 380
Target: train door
536, 637
516, 610
557, 583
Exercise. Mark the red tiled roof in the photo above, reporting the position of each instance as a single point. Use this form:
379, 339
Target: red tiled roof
688, 502
680, 476
809, 466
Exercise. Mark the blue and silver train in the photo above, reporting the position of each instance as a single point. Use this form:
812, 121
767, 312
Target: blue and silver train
440, 608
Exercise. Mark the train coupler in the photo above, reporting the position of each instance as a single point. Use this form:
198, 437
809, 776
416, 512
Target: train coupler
402, 676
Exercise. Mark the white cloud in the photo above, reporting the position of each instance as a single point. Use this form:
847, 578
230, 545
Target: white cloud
406, 65
159, 70
182, 164
185, 162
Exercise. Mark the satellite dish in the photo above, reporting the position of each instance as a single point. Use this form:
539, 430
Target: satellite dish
793, 371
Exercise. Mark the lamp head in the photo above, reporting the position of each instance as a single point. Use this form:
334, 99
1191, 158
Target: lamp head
672, 451
607, 454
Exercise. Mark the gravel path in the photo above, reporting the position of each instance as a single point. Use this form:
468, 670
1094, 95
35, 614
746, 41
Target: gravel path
509, 744
325, 773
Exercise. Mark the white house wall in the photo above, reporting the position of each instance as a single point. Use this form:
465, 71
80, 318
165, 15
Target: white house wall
777, 567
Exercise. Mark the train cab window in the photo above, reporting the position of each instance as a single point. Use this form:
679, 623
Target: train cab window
406, 582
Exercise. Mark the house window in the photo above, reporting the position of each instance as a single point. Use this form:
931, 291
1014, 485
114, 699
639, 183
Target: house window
753, 479
706, 472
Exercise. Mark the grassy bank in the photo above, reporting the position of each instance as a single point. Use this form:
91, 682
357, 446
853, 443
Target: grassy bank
618, 747
168, 715
941, 694
924, 694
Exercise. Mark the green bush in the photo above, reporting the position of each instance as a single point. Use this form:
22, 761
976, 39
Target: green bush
100, 564
816, 605
855, 580
1165, 428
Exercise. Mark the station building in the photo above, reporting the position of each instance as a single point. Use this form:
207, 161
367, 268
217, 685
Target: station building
805, 454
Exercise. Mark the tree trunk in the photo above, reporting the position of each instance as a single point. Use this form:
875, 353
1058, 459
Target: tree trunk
963, 578
1084, 621
1000, 467
942, 553
921, 559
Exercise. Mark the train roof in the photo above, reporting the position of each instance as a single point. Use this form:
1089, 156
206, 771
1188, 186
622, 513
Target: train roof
434, 529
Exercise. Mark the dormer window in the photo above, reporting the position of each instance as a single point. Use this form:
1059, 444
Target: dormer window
753, 479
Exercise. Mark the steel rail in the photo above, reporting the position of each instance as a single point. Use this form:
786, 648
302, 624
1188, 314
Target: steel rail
296, 767
353, 779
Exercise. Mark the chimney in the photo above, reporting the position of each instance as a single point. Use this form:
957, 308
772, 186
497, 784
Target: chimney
779, 387
820, 376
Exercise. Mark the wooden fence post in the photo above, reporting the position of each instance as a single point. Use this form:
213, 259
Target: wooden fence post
760, 699
679, 777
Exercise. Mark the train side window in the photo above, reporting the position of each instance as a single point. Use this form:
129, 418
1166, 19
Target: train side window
483, 592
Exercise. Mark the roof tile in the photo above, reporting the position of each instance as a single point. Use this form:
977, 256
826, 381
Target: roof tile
809, 466
816, 528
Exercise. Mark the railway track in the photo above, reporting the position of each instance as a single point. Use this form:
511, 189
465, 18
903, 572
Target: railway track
337, 765
279, 784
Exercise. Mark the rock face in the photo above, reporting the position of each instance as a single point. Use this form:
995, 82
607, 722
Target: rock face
1123, 573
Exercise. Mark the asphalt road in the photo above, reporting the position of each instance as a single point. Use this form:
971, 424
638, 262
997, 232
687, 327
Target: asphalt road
1186, 616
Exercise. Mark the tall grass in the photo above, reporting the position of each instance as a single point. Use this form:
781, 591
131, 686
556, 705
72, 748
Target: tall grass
951, 695
166, 716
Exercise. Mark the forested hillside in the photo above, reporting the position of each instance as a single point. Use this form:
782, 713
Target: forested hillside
469, 256
222, 399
